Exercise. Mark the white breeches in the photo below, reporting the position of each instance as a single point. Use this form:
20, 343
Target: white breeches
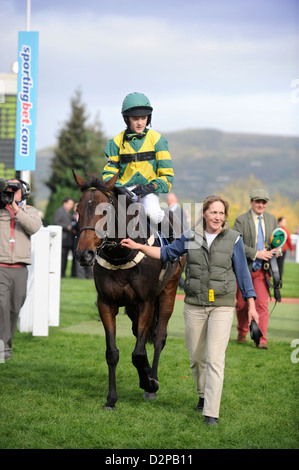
152, 207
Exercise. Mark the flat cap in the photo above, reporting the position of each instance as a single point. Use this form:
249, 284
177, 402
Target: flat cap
256, 194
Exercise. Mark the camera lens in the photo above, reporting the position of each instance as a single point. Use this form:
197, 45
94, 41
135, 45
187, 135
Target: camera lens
6, 197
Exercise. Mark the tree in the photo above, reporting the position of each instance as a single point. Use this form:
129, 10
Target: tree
237, 194
81, 147
282, 206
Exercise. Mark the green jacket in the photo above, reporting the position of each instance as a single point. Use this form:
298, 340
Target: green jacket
244, 224
209, 272
140, 161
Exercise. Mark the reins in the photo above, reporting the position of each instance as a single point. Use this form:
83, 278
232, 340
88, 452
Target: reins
86, 228
106, 243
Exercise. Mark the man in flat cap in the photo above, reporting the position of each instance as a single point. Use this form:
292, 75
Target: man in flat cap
256, 227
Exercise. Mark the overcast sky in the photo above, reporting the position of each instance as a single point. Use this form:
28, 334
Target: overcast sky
230, 65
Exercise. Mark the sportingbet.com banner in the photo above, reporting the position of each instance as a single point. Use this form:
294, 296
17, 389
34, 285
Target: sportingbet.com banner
26, 101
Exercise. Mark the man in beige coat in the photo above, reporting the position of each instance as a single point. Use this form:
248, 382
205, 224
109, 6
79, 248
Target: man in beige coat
18, 222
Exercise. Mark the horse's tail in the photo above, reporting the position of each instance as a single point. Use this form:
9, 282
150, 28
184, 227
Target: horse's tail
152, 331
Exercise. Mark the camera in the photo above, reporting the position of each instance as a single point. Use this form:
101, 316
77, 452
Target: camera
8, 188
7, 196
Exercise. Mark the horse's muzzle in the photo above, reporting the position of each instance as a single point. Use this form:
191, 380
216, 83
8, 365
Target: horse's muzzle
85, 257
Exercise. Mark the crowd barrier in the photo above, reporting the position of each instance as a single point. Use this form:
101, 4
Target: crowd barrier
42, 305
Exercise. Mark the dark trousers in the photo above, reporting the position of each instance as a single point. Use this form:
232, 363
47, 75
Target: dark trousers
13, 287
64, 254
280, 261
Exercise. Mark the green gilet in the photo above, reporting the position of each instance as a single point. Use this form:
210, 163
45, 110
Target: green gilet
211, 270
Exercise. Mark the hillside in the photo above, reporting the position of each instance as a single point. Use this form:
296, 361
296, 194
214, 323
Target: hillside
205, 161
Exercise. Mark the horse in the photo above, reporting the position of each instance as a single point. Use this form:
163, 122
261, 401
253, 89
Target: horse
124, 277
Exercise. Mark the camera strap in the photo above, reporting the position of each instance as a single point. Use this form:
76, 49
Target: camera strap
12, 227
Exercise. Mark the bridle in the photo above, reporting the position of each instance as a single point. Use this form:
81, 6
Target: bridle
104, 258
105, 241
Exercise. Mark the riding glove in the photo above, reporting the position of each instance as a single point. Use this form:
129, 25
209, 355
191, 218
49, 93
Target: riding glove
145, 189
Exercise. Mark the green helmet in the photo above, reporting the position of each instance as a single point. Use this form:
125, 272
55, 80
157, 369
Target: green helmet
136, 104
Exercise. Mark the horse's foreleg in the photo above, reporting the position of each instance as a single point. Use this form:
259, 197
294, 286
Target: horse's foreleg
112, 355
140, 361
160, 340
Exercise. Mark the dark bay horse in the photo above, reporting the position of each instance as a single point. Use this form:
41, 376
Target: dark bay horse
125, 277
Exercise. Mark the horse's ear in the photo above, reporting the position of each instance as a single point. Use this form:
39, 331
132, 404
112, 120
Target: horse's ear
80, 181
112, 181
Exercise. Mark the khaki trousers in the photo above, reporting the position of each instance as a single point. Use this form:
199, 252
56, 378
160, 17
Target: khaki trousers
207, 332
13, 285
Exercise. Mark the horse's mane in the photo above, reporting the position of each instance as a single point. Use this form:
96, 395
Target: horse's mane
96, 182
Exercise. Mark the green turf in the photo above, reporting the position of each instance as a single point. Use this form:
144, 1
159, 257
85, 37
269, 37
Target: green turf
52, 392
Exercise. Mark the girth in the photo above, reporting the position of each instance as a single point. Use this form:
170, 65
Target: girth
127, 265
137, 157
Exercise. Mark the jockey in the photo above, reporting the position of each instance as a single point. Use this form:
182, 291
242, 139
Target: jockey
141, 156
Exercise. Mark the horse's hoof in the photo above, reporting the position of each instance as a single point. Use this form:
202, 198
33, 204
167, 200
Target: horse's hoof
109, 408
149, 396
154, 384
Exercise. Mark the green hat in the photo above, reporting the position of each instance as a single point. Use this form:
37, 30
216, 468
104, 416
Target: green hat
257, 194
136, 104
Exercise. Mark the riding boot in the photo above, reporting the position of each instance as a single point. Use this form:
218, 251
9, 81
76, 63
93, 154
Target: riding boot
166, 227
172, 234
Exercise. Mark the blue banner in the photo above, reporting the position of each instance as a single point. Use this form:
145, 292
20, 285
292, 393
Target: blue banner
26, 101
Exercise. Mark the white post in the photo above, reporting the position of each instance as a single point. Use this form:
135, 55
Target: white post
54, 274
41, 308
295, 241
40, 265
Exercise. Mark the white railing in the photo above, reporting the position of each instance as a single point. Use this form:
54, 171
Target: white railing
42, 305
295, 241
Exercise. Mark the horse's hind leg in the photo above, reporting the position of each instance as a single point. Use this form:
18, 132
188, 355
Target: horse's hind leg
139, 355
166, 306
160, 340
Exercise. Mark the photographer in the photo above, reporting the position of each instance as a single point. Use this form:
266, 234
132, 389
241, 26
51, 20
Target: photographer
17, 223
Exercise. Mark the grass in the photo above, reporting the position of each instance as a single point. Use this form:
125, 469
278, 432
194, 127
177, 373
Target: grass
290, 280
52, 392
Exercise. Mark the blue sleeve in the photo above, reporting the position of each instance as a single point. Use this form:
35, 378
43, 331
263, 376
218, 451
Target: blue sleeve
175, 249
241, 270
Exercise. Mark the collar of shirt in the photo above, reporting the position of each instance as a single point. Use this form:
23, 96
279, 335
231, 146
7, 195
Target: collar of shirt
256, 216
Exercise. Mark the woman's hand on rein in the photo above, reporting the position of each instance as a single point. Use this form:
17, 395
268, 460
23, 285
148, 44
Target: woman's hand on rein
128, 243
